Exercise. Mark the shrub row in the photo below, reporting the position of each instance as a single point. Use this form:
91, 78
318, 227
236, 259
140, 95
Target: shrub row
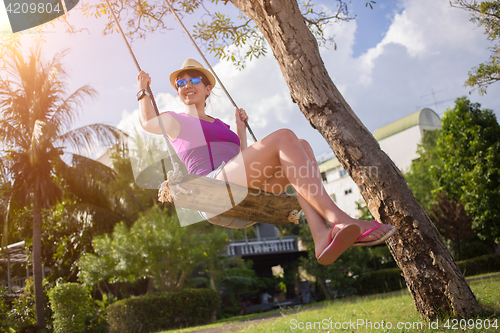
381, 281
155, 312
391, 279
480, 265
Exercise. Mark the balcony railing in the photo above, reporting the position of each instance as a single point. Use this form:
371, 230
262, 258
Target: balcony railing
16, 286
262, 246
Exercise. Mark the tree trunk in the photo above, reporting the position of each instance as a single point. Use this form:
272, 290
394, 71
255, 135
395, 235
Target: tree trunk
325, 289
37, 259
212, 279
435, 282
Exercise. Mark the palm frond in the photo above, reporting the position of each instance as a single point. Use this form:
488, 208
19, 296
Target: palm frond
104, 219
11, 131
87, 180
11, 135
93, 168
4, 167
65, 114
21, 194
13, 62
5, 236
37, 143
90, 136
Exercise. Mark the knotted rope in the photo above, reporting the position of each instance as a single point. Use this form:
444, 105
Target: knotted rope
294, 216
168, 190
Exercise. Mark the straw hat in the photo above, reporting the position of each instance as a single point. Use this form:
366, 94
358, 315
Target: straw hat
191, 64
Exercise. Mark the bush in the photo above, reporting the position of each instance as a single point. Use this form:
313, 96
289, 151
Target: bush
72, 306
98, 323
4, 310
385, 280
22, 315
480, 265
155, 312
381, 281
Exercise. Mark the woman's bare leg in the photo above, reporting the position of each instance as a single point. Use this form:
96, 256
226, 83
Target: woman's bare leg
280, 159
317, 224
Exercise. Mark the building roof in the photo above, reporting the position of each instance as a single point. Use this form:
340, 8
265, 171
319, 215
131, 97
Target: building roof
421, 117
17, 253
329, 165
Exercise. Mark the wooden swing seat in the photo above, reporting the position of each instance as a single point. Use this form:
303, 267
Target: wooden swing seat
217, 197
211, 196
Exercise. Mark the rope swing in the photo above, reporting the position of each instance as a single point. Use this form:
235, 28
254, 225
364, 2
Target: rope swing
202, 193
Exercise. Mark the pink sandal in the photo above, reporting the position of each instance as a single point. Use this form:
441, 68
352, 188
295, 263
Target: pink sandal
343, 240
380, 240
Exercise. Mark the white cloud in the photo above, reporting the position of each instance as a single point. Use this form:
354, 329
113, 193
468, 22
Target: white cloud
428, 48
165, 101
259, 89
129, 121
423, 59
424, 28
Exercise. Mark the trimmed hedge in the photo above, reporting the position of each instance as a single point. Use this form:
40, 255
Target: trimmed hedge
156, 312
480, 265
72, 305
381, 281
391, 279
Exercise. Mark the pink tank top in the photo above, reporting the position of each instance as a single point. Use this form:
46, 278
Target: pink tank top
201, 145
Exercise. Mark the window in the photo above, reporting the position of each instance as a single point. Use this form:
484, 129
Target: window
349, 191
323, 177
343, 173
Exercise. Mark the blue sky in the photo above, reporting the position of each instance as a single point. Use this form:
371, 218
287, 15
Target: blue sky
390, 61
372, 23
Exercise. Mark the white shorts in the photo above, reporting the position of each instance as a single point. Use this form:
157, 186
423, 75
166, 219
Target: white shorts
228, 222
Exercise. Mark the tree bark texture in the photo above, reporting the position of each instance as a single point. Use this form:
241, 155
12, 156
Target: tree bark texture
434, 280
37, 259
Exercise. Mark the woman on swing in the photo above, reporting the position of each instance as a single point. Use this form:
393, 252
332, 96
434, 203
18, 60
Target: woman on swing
271, 164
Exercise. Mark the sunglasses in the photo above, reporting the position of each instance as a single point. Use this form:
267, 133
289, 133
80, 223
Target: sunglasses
182, 82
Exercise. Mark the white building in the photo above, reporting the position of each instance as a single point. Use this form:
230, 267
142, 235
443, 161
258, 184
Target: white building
399, 140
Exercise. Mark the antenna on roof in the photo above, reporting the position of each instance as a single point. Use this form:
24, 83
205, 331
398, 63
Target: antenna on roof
433, 93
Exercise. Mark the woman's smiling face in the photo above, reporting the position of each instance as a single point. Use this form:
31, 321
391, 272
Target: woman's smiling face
193, 94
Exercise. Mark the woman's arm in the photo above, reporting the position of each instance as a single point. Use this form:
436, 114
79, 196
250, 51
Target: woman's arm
241, 130
147, 115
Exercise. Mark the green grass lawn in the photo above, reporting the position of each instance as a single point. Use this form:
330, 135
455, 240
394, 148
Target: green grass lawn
393, 312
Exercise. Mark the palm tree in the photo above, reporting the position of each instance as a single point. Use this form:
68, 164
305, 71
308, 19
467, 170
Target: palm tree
35, 118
